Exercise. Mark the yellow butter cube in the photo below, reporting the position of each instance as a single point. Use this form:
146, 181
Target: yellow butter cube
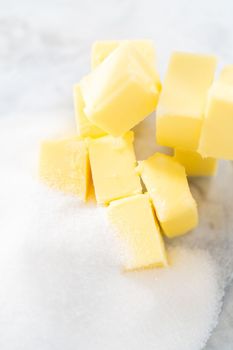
195, 164
102, 49
64, 164
84, 126
113, 168
181, 106
226, 75
167, 185
137, 227
217, 132
120, 92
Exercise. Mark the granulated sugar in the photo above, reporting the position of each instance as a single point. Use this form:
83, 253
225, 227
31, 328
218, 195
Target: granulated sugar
61, 286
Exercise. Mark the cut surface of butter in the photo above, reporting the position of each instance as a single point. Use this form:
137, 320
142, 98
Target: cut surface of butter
136, 225
120, 92
102, 49
182, 101
217, 132
113, 165
195, 164
167, 185
64, 165
84, 126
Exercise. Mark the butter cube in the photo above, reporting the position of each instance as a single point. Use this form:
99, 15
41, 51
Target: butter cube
226, 75
113, 168
120, 92
217, 132
137, 227
195, 164
102, 49
84, 126
181, 106
166, 182
64, 164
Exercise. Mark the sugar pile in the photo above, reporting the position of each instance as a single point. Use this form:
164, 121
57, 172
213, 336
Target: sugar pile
60, 282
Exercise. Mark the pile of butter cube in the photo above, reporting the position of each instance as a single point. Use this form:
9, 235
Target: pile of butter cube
149, 198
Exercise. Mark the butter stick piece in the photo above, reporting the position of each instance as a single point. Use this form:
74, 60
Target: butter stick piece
167, 185
120, 92
113, 165
102, 49
217, 132
226, 75
136, 226
64, 165
180, 110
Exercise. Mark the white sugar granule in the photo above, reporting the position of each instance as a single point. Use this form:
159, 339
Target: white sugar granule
61, 286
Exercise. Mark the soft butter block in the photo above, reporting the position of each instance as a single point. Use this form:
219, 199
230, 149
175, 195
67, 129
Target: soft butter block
167, 185
226, 75
182, 101
217, 132
113, 168
102, 49
195, 164
136, 225
84, 126
64, 164
120, 92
